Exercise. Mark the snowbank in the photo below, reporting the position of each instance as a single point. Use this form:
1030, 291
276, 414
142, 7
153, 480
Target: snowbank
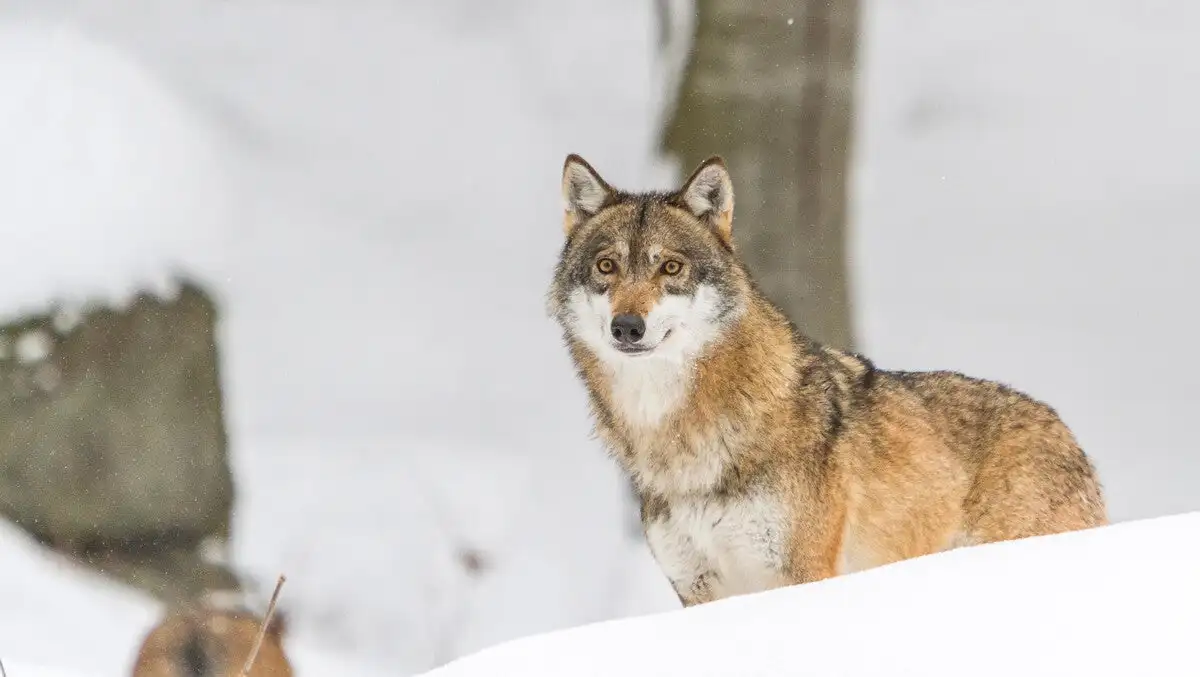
50, 604
107, 179
35, 670
375, 554
61, 619
392, 223
1121, 600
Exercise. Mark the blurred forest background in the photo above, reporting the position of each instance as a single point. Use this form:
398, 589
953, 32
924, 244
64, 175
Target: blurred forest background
271, 278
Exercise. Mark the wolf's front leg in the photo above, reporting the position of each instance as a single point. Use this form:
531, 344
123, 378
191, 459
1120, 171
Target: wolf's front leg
697, 591
684, 566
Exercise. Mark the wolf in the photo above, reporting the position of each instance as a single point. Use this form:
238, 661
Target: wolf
762, 458
205, 639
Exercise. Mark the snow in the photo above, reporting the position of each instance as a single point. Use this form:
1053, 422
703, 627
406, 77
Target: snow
51, 603
144, 187
388, 233
372, 189
483, 502
26, 670
1119, 600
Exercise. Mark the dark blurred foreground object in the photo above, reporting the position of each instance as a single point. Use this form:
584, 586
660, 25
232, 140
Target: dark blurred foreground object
769, 86
202, 639
112, 439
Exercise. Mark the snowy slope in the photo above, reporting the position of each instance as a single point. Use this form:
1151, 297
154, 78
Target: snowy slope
383, 149
383, 260
50, 604
385, 560
1116, 601
1025, 209
35, 670
107, 179
60, 619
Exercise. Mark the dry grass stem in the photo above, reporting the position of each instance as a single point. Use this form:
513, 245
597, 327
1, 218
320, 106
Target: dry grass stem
262, 630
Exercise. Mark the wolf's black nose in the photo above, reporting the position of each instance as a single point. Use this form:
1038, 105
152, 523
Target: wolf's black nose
628, 328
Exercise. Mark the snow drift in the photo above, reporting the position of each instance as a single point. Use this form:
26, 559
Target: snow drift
107, 179
134, 143
60, 619
1121, 600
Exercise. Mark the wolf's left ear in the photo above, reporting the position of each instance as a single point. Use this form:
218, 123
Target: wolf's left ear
708, 194
584, 192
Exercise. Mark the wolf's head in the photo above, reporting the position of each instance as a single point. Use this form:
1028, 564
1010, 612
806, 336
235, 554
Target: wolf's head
647, 275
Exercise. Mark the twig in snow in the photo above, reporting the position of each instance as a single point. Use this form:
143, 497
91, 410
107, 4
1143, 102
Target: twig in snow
262, 630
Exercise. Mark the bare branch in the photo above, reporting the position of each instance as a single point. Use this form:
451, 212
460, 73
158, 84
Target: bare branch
262, 630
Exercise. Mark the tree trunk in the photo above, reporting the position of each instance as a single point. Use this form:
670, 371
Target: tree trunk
770, 87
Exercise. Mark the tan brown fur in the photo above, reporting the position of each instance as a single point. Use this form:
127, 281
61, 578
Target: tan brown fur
213, 642
835, 465
636, 298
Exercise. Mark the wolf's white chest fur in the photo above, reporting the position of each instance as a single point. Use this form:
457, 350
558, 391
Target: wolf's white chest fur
645, 393
646, 390
710, 549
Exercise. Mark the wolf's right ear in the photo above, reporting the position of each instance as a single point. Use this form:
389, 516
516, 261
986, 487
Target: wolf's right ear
584, 192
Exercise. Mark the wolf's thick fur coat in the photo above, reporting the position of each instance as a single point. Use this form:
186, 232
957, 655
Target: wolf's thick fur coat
761, 458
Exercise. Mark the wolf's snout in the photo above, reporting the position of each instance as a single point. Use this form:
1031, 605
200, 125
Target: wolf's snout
628, 328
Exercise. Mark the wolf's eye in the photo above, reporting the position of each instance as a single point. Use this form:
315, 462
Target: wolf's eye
672, 267
606, 266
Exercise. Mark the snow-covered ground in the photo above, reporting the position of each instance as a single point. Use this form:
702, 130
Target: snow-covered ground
107, 180
385, 212
373, 188
59, 619
1117, 601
